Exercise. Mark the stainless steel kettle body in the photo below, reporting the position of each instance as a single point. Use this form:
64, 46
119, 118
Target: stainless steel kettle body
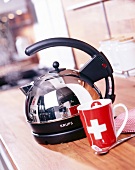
52, 99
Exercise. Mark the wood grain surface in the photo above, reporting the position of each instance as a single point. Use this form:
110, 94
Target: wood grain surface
27, 154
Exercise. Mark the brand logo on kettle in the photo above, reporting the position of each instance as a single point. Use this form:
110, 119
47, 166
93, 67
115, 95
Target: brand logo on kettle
66, 124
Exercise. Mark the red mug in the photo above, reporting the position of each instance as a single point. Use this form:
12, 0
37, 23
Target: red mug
97, 118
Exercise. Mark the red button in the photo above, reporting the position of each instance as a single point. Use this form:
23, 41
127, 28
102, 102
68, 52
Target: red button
104, 65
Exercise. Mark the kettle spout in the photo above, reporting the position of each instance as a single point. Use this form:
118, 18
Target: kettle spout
26, 88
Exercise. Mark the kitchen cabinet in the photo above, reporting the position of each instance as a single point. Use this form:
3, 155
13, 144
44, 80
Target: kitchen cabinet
89, 24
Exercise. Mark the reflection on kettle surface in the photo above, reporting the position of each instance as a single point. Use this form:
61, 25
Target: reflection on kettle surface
52, 98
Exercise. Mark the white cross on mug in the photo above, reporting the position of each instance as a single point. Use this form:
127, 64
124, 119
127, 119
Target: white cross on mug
96, 129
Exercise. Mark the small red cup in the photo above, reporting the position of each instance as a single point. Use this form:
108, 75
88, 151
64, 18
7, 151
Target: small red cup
97, 118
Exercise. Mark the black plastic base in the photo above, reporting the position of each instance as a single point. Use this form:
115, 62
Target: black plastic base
60, 126
63, 137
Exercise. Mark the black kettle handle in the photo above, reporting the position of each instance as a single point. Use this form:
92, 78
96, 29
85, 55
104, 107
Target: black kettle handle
68, 42
97, 56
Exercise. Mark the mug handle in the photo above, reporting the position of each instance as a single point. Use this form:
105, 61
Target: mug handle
95, 103
125, 119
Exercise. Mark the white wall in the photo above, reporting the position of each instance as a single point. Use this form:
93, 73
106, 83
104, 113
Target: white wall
51, 23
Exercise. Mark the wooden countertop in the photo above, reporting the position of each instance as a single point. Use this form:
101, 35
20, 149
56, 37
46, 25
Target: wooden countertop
27, 154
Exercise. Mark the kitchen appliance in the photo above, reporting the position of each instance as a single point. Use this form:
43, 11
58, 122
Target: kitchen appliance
52, 99
120, 53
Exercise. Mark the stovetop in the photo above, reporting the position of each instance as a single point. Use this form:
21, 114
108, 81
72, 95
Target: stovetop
20, 78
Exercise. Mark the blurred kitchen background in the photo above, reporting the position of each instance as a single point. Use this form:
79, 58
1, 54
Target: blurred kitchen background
108, 25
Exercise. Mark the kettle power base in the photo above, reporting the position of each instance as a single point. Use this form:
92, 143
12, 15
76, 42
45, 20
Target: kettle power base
58, 138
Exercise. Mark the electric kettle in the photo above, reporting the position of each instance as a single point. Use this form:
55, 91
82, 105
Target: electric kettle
52, 99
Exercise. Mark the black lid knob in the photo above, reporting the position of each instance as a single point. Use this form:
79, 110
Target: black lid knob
56, 67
